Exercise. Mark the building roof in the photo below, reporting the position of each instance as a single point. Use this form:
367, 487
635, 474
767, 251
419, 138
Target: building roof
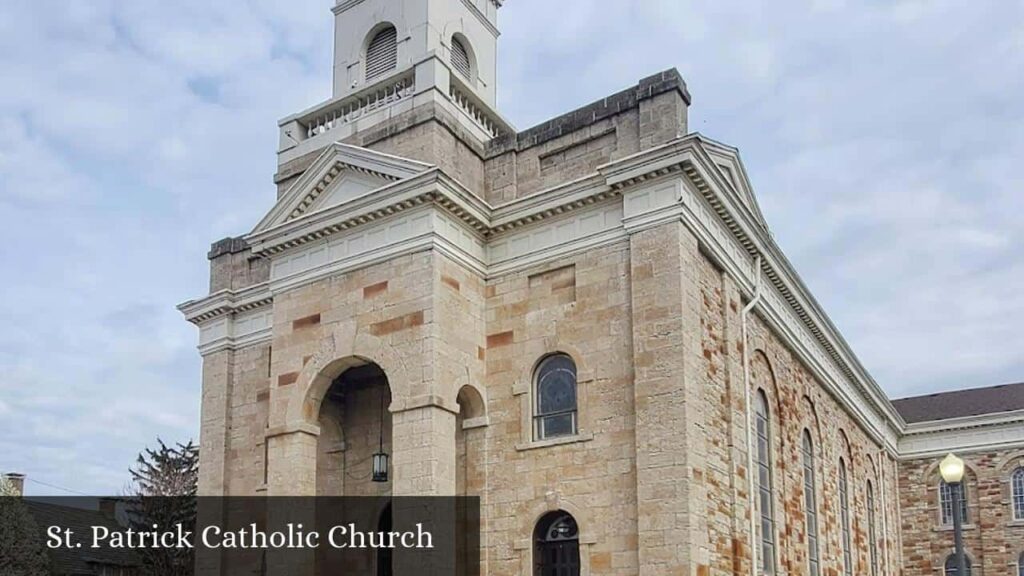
961, 403
72, 562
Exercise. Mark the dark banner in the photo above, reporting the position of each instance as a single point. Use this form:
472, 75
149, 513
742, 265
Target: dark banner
235, 536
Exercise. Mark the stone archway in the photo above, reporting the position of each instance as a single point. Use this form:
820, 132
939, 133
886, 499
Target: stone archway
354, 423
422, 420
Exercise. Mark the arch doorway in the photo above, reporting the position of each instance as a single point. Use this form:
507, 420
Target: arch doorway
355, 424
556, 545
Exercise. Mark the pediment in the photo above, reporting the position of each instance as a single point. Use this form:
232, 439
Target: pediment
727, 160
341, 173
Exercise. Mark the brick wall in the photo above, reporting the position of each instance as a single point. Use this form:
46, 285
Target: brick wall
992, 538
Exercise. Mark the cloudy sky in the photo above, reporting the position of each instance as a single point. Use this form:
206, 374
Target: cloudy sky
883, 139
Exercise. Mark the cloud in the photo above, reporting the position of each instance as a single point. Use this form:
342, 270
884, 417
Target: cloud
883, 145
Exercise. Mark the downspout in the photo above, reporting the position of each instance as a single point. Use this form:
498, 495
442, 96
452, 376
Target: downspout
885, 516
751, 489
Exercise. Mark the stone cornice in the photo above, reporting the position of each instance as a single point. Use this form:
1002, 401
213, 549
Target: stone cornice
226, 302
965, 422
986, 432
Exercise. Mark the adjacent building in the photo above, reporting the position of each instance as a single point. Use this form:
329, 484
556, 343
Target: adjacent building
586, 323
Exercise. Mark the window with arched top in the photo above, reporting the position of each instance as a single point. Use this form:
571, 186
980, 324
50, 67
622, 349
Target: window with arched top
762, 429
872, 532
844, 517
1017, 493
946, 503
555, 405
382, 53
556, 545
951, 568
460, 58
811, 506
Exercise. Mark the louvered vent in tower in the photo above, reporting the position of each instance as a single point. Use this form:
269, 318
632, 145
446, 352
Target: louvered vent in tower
382, 53
460, 58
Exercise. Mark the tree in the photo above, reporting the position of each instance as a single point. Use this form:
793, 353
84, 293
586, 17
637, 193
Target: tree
166, 472
22, 552
164, 483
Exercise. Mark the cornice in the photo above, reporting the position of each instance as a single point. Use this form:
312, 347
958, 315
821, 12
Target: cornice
969, 434
965, 422
436, 187
226, 302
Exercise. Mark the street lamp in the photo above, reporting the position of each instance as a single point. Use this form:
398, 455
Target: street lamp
952, 470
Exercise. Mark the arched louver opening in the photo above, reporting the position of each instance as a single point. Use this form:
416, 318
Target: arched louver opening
382, 53
460, 58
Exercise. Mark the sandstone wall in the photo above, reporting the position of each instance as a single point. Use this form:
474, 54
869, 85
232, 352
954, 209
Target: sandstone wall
992, 538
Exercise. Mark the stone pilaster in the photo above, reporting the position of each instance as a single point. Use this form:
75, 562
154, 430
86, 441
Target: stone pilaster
215, 422
424, 452
672, 532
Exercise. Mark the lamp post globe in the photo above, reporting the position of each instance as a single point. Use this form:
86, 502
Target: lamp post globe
952, 469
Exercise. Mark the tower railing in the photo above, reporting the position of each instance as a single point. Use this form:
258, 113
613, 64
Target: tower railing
477, 112
358, 105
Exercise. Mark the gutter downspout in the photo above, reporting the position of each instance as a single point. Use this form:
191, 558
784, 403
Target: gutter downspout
752, 493
885, 509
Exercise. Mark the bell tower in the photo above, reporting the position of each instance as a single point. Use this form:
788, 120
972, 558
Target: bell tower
395, 56
431, 41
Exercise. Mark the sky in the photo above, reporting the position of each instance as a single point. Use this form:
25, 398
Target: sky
883, 140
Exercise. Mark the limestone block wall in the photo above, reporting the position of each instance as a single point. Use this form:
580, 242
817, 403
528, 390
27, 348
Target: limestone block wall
575, 144
579, 306
992, 538
797, 402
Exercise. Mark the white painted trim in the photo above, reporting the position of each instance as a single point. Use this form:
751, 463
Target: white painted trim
988, 432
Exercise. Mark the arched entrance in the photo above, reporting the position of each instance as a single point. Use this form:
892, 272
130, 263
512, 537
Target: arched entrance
556, 545
355, 424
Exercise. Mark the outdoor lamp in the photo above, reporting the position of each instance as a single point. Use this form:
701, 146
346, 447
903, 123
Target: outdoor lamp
380, 459
952, 469
380, 467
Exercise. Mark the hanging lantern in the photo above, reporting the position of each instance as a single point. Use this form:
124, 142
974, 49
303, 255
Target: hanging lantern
380, 459
380, 467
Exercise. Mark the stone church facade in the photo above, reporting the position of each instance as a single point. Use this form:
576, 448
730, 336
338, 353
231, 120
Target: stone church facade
586, 323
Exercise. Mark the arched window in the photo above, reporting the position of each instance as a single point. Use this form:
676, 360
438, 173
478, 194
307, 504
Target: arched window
1017, 489
764, 478
811, 507
844, 516
460, 58
555, 391
872, 534
382, 53
556, 545
952, 569
946, 502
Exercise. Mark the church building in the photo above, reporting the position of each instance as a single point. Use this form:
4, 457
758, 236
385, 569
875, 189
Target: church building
586, 323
